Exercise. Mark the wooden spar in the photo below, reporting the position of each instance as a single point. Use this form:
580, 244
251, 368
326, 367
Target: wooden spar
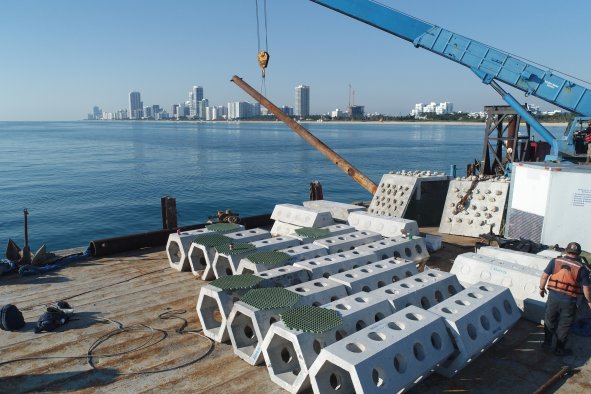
309, 137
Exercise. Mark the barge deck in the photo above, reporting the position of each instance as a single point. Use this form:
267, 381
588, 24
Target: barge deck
136, 287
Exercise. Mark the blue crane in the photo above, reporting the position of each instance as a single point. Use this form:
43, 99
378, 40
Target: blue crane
488, 64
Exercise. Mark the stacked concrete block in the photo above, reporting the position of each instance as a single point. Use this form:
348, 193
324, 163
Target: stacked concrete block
177, 248
251, 317
284, 276
383, 225
375, 275
292, 344
422, 290
349, 241
389, 356
359, 311
289, 217
280, 228
216, 300
202, 250
481, 213
332, 264
404, 247
477, 318
226, 260
516, 257
256, 263
308, 234
339, 211
523, 282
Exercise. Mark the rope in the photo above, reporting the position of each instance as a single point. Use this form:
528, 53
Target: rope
157, 335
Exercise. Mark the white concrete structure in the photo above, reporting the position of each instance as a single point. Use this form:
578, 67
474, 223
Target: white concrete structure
482, 211
227, 263
522, 281
389, 356
201, 256
403, 247
333, 230
348, 241
477, 318
530, 260
423, 290
287, 275
295, 253
248, 324
281, 228
338, 210
375, 275
336, 263
301, 216
385, 226
177, 248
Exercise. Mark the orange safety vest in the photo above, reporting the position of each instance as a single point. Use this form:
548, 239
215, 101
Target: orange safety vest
564, 277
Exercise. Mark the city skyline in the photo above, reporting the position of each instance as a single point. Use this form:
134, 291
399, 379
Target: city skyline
67, 56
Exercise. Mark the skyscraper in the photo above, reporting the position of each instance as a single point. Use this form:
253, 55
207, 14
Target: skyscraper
302, 101
135, 105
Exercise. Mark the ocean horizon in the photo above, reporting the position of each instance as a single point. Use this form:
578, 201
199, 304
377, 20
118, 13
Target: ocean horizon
88, 180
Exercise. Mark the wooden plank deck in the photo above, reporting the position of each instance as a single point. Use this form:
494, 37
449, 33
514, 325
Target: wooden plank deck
136, 287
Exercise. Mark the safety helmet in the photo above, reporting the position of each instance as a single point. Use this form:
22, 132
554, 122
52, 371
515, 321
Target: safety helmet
574, 248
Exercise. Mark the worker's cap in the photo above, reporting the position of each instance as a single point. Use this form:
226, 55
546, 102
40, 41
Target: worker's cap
573, 248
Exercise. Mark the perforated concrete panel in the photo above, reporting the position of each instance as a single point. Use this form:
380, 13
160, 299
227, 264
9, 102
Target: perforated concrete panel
396, 190
477, 318
383, 225
389, 356
249, 321
287, 275
215, 302
523, 282
550, 253
348, 241
226, 262
295, 253
530, 260
374, 275
301, 216
177, 248
403, 247
202, 250
393, 195
336, 263
308, 235
423, 290
338, 210
482, 212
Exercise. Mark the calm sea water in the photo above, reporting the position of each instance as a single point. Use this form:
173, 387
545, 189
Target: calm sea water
90, 180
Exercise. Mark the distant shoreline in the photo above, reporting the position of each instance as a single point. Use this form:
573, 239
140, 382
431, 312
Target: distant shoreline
336, 122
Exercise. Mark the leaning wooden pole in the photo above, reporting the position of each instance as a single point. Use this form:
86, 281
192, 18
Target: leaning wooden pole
312, 140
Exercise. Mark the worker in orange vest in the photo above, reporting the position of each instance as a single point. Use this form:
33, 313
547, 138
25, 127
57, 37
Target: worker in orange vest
588, 142
567, 279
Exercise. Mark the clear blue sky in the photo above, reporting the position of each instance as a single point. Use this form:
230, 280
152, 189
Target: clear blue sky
60, 58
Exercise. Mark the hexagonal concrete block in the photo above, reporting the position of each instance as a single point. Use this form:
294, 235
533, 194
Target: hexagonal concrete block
530, 260
177, 248
404, 247
386, 226
389, 356
338, 210
301, 216
349, 241
323, 267
293, 254
477, 318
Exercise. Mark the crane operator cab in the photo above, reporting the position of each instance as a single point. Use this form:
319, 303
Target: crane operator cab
579, 129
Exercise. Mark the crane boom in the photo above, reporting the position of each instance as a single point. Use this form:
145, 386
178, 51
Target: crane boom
486, 62
489, 64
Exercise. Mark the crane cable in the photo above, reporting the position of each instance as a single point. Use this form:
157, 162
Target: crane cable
263, 54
